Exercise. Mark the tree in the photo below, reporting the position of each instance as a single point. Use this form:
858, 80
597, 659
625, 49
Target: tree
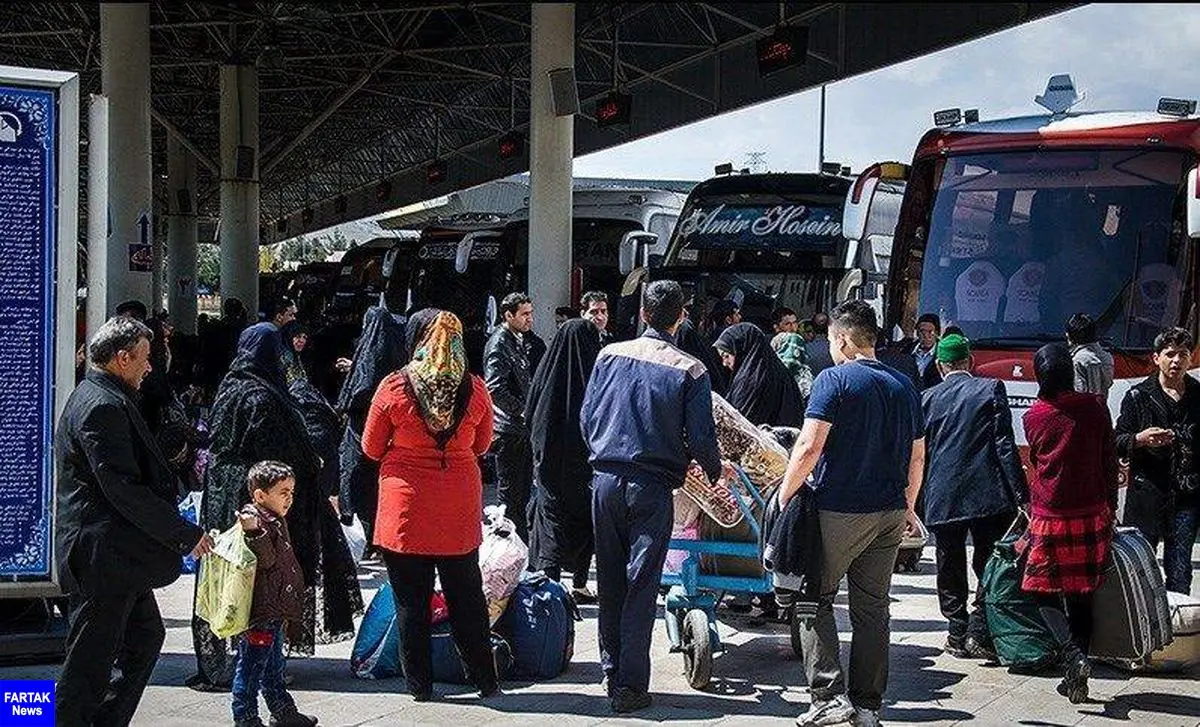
208, 267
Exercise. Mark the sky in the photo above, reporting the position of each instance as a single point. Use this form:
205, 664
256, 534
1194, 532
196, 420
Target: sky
1121, 56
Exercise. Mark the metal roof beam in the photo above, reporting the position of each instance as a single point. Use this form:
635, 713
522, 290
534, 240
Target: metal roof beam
315, 124
185, 142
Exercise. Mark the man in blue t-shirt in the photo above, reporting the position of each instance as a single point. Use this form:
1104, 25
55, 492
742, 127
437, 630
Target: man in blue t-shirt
863, 441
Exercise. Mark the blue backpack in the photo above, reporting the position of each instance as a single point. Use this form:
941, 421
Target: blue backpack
539, 624
376, 653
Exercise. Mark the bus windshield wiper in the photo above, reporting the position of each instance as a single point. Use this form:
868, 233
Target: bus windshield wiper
1036, 339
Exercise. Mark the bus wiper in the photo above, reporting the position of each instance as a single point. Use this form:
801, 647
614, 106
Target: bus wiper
1035, 339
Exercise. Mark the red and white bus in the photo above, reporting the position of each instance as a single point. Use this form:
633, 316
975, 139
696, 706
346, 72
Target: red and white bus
1010, 226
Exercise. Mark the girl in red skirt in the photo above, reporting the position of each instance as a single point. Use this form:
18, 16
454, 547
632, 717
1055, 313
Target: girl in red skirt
1072, 500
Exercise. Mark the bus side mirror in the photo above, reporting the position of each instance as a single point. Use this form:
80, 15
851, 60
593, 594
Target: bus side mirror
462, 256
850, 283
873, 203
389, 262
1193, 204
492, 310
629, 254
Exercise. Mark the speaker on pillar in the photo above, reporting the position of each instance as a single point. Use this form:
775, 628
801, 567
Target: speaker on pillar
183, 201
564, 95
243, 165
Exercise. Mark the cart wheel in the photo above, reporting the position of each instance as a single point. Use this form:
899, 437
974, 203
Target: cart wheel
797, 647
697, 649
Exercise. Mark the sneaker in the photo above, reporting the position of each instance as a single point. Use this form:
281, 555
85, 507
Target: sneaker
978, 649
252, 722
492, 690
292, 719
827, 712
626, 700
1074, 685
866, 717
956, 646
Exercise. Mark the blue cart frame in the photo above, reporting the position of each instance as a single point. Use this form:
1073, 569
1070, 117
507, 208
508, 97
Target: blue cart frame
691, 604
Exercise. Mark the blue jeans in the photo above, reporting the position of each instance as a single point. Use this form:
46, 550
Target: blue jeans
1177, 547
260, 667
1171, 519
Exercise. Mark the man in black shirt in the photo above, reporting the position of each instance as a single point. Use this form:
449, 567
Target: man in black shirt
1157, 433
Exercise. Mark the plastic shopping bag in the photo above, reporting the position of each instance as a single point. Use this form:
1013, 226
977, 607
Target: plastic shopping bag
356, 539
189, 509
502, 559
226, 587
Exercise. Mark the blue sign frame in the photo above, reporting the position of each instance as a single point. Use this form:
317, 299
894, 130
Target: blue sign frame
39, 178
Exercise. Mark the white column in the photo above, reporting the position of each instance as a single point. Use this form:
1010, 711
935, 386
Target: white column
181, 236
239, 195
551, 153
98, 305
125, 80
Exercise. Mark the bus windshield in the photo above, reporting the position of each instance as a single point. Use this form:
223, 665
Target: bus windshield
756, 231
1018, 242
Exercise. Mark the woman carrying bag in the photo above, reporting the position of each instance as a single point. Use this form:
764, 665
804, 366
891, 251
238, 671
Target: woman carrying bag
427, 426
1072, 501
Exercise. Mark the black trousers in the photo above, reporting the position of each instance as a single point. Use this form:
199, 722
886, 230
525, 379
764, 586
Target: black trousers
964, 613
1069, 618
514, 475
125, 630
412, 579
580, 570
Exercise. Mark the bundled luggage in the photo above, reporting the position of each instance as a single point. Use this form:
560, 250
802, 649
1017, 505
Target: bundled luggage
502, 558
376, 653
448, 666
1131, 616
1019, 633
763, 459
1183, 652
539, 624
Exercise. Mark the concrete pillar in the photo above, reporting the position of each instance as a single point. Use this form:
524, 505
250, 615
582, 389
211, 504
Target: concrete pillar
125, 80
98, 305
551, 154
181, 236
239, 187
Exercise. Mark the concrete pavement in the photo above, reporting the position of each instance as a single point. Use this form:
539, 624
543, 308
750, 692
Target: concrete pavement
757, 681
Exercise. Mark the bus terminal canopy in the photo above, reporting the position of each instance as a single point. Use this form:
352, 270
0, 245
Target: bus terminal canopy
368, 106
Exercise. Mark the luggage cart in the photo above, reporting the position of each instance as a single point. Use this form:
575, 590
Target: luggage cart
692, 598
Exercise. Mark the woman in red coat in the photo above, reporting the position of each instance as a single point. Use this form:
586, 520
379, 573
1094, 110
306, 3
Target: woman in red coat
427, 426
1072, 499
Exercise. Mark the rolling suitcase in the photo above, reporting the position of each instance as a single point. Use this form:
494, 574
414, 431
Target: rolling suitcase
1131, 618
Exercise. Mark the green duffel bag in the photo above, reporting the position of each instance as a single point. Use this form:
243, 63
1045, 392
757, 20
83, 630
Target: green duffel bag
1019, 633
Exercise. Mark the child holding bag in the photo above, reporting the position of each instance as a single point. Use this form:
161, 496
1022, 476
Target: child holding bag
278, 586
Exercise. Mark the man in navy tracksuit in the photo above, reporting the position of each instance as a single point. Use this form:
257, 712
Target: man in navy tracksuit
646, 415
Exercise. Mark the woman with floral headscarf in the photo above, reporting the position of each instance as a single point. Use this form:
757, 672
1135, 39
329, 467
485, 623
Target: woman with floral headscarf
428, 425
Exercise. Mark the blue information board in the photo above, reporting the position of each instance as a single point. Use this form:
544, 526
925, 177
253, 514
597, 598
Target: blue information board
28, 254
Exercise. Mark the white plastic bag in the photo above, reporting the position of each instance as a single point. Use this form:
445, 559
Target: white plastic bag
502, 559
356, 539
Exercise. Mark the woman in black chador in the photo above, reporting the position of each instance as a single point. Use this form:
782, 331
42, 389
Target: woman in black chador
254, 418
561, 535
380, 351
761, 387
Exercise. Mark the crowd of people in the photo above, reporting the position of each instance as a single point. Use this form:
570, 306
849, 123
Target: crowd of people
586, 440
